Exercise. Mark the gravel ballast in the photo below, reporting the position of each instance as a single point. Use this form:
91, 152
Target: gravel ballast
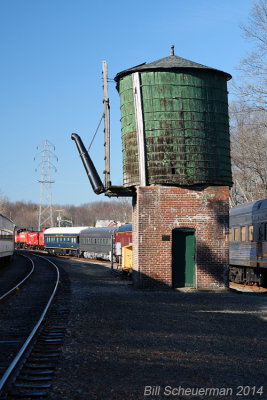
123, 343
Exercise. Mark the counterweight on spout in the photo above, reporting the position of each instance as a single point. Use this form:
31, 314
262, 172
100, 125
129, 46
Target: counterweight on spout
93, 176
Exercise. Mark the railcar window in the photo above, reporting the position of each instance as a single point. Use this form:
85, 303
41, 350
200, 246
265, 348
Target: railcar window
236, 231
6, 235
243, 233
230, 235
260, 233
250, 233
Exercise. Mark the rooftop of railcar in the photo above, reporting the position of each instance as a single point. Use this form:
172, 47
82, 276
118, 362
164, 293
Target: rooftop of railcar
92, 231
125, 228
248, 208
7, 221
64, 230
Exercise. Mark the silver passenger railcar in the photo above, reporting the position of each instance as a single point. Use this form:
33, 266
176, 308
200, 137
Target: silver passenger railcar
97, 242
7, 238
248, 243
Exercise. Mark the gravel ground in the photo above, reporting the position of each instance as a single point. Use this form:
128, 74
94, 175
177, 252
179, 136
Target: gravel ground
123, 343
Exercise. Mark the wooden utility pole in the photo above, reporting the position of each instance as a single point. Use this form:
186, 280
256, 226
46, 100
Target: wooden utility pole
106, 124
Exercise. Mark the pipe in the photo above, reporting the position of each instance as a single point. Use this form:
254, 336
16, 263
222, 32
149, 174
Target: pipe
93, 176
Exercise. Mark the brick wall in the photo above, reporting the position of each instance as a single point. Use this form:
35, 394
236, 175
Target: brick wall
157, 210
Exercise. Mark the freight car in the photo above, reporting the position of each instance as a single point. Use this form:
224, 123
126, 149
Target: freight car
7, 239
64, 241
248, 243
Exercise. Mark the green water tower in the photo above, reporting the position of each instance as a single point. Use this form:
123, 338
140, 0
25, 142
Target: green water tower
175, 124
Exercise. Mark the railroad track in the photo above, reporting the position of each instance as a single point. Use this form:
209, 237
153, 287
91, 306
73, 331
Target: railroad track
14, 276
29, 339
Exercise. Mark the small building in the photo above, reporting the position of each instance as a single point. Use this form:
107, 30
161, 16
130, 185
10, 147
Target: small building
104, 223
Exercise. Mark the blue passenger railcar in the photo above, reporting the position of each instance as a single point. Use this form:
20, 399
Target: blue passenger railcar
62, 240
248, 243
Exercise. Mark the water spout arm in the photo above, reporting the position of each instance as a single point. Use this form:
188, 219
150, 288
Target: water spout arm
89, 167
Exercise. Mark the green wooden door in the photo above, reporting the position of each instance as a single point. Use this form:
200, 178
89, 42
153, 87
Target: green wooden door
183, 258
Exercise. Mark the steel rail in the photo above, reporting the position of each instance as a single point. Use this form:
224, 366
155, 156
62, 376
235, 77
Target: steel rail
21, 282
18, 357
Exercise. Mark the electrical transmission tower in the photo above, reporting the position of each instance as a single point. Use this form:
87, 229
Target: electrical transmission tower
45, 218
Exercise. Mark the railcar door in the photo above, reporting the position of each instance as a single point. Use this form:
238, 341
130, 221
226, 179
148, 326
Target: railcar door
259, 242
183, 258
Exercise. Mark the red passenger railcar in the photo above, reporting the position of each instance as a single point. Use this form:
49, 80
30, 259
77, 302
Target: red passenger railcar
123, 237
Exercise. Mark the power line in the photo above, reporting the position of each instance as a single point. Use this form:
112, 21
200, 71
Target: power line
45, 217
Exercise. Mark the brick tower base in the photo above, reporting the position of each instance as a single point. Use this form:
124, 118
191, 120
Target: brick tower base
157, 211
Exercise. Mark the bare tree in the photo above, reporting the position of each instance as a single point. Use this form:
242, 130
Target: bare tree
25, 215
253, 67
248, 118
249, 153
3, 204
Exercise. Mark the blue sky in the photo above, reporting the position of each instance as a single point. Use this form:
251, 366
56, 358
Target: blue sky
51, 69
